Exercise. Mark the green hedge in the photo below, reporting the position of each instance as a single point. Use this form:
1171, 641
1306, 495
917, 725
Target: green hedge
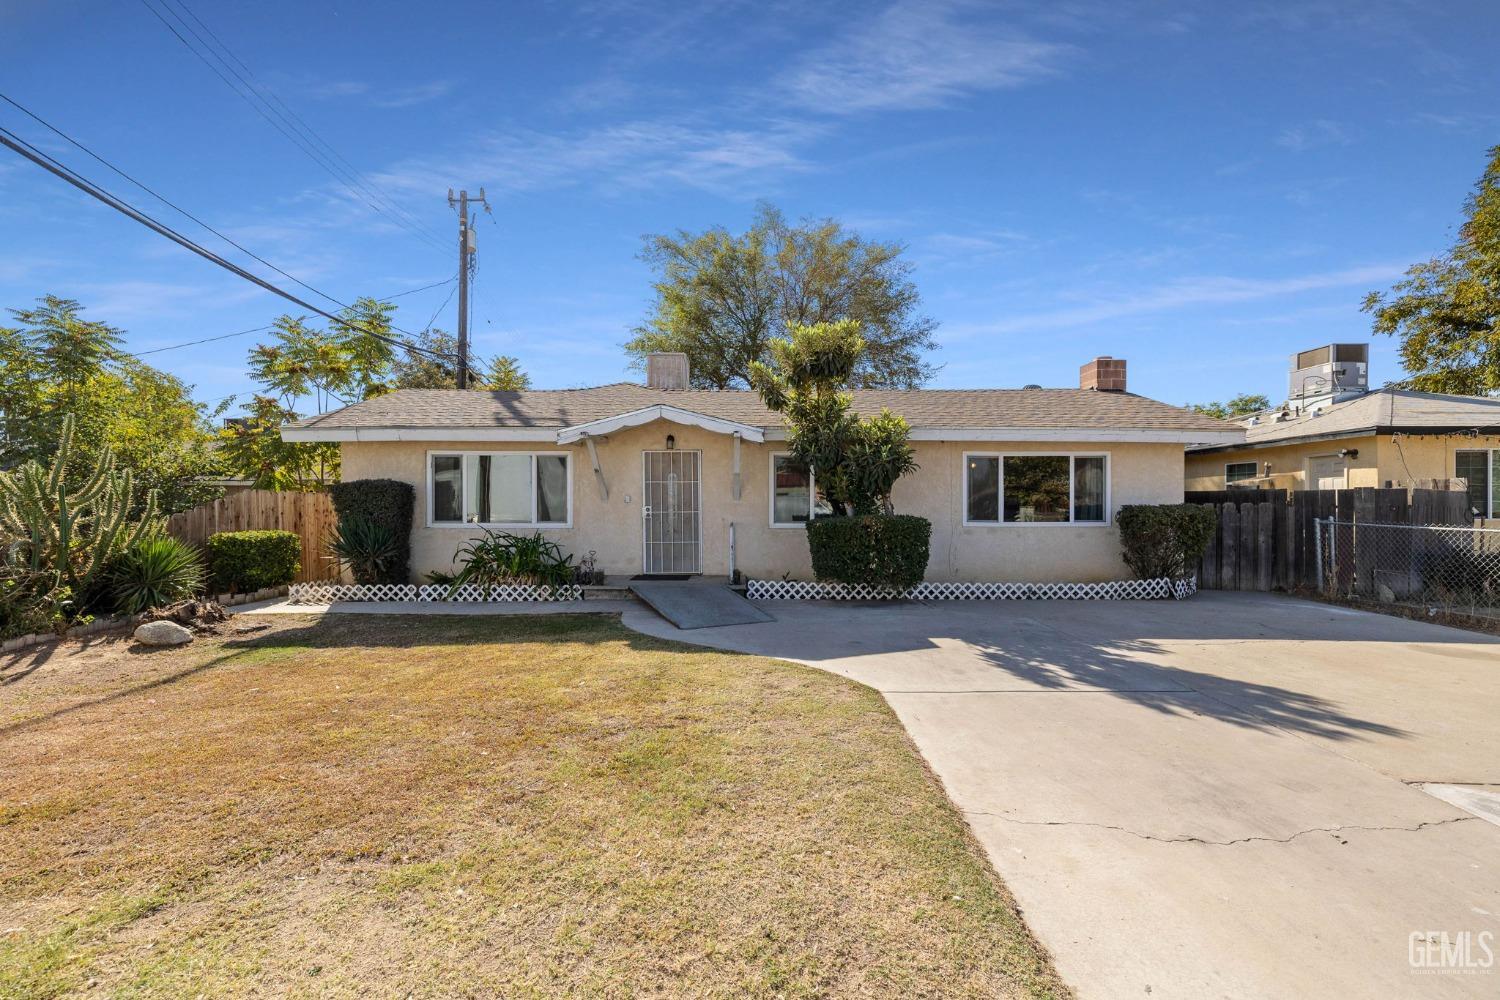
385, 502
1165, 539
242, 561
888, 550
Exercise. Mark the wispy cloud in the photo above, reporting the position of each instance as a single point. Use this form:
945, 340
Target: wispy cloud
376, 97
917, 55
1181, 294
618, 157
125, 302
1300, 138
407, 97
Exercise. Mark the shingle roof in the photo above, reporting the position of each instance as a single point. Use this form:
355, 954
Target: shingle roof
1379, 411
923, 408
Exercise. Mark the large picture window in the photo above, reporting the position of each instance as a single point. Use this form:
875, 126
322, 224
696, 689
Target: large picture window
1481, 470
503, 487
794, 494
1035, 489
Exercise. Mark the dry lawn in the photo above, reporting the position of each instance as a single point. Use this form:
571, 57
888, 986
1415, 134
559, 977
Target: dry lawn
477, 807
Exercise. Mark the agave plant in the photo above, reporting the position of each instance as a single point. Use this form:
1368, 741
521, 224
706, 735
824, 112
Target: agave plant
153, 573
366, 547
500, 558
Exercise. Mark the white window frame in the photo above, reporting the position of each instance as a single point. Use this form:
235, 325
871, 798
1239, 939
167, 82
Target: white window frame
812, 495
1489, 465
503, 525
1072, 481
1254, 473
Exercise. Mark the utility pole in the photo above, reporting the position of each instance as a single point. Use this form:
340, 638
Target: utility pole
465, 262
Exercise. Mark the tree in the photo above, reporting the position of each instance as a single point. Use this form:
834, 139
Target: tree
722, 299
253, 448
343, 363
856, 461
1447, 310
415, 370
1240, 406
503, 373
56, 364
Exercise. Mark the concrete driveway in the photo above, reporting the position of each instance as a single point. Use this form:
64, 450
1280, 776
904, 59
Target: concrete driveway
1221, 797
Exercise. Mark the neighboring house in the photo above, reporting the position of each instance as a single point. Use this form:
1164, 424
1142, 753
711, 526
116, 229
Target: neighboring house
1020, 484
1334, 432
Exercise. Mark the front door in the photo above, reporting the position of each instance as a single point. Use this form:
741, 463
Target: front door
671, 515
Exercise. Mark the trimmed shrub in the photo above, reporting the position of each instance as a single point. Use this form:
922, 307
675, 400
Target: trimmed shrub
883, 550
388, 504
243, 561
1164, 540
154, 573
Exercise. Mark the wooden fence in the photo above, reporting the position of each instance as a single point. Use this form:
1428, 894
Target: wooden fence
1267, 539
309, 515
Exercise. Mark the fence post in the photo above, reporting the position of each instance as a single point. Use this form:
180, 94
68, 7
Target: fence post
1247, 547
1318, 551
1229, 515
1265, 547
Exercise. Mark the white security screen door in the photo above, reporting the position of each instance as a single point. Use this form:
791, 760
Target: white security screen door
671, 515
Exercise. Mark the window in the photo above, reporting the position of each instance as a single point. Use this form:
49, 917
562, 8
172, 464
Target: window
1481, 469
1236, 472
794, 497
504, 487
1035, 489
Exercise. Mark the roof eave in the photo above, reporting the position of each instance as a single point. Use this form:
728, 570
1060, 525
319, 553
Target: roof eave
569, 435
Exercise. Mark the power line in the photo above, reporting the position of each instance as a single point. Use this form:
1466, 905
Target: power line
52, 166
307, 129
413, 291
440, 308
195, 343
264, 329
251, 93
163, 199
283, 125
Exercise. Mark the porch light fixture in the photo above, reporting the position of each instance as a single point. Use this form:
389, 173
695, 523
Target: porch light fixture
671, 442
1348, 452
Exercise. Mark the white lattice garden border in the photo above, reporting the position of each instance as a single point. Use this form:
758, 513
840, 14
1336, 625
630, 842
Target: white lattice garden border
1113, 590
328, 593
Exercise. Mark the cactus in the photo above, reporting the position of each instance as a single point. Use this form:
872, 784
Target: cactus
63, 530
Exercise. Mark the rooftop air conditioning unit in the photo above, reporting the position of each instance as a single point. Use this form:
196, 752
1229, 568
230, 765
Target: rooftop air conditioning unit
1338, 370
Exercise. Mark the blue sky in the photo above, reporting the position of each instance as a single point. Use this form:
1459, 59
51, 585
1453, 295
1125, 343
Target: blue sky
1201, 188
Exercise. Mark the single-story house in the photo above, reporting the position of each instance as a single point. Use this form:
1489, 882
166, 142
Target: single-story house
1020, 484
1334, 432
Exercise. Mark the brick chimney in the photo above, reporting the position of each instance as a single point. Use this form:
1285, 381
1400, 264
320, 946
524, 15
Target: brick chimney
1105, 374
667, 370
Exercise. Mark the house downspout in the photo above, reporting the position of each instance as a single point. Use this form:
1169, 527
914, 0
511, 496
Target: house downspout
734, 487
731, 553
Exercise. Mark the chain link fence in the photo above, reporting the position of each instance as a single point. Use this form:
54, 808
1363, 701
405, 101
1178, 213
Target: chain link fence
1451, 569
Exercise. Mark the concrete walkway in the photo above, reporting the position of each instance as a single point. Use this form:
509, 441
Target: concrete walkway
1215, 798
281, 606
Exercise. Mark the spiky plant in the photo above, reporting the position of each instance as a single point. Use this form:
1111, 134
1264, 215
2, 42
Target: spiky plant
154, 573
65, 528
365, 546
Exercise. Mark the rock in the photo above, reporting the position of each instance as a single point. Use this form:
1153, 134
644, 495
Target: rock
163, 633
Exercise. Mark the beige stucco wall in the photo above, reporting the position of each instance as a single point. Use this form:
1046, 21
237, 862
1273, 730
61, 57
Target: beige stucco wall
1138, 473
1382, 460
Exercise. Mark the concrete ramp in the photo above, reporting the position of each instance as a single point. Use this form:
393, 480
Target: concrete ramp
697, 604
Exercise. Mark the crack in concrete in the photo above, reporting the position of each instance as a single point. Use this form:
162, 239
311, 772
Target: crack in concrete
1226, 843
